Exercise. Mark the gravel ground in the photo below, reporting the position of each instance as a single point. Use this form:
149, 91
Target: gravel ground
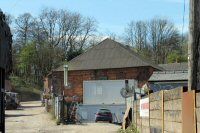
32, 118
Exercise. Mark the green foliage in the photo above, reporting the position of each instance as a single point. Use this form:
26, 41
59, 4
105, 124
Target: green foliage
17, 83
43, 42
131, 129
27, 56
176, 56
26, 90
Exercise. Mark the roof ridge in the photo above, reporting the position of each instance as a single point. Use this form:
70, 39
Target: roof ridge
138, 56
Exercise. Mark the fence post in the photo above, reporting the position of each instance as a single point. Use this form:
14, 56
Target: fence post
149, 110
136, 114
195, 122
162, 111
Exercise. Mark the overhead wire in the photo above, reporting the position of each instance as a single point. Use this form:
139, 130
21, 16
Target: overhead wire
183, 26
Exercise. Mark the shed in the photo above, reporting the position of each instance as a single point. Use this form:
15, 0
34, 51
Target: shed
167, 80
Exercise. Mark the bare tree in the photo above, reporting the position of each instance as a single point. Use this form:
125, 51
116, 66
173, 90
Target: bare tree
163, 37
137, 35
48, 20
158, 36
54, 36
24, 25
66, 29
87, 29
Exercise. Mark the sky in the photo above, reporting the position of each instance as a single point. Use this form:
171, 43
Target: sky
112, 16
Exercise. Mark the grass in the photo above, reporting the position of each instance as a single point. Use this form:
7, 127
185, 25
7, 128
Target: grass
27, 91
131, 129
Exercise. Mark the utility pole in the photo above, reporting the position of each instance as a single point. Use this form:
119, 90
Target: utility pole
194, 46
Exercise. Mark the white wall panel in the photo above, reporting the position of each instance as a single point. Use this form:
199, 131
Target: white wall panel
104, 91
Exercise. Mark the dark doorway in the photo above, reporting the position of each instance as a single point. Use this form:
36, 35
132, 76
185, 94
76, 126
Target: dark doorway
2, 109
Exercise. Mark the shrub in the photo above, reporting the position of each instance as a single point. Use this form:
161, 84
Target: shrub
131, 129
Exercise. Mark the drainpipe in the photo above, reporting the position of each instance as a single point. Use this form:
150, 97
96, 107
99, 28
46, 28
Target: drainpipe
63, 92
66, 75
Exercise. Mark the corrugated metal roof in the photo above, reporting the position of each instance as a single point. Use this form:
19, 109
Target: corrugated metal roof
169, 76
175, 66
108, 54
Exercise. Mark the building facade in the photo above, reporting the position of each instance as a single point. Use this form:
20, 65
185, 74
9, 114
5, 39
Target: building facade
109, 60
5, 64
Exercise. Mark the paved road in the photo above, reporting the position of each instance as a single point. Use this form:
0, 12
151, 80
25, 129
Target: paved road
32, 118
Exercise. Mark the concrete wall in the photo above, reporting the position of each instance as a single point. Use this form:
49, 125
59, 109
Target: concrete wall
171, 104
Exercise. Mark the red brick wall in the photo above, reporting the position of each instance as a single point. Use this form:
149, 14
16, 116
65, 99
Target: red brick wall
76, 78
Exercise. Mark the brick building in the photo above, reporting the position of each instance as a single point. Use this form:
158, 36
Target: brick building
109, 60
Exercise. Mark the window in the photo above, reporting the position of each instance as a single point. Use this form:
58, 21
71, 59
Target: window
103, 78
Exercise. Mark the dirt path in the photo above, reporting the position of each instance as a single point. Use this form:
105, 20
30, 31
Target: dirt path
32, 118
